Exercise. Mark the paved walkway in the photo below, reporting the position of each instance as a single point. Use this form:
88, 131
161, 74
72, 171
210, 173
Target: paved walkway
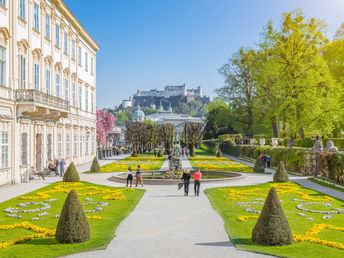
10, 191
167, 224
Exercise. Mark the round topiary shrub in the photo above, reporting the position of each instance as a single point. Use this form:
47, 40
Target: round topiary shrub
71, 174
259, 167
272, 227
218, 153
95, 165
160, 153
73, 226
281, 174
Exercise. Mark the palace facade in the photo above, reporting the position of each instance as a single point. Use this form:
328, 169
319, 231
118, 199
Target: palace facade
47, 87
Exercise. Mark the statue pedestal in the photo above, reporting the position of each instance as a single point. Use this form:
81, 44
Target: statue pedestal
175, 164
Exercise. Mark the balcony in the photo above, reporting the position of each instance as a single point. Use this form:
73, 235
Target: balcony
39, 105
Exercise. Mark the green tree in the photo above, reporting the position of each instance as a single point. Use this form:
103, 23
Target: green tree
239, 89
192, 134
308, 93
217, 119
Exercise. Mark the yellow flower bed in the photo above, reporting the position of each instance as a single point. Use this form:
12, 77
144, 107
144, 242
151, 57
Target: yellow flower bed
309, 236
63, 187
95, 217
41, 233
281, 189
146, 163
219, 164
113, 194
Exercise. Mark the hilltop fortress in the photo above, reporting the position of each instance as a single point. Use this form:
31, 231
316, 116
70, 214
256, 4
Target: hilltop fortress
170, 94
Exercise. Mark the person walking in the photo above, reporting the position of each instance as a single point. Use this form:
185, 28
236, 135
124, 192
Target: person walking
197, 181
268, 161
138, 176
62, 167
130, 177
186, 179
56, 163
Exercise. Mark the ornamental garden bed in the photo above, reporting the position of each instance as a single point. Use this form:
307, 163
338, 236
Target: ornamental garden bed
316, 220
28, 222
220, 164
146, 163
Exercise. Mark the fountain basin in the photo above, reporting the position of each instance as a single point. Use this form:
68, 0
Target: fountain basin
156, 177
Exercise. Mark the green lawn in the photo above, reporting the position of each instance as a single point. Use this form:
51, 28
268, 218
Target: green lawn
102, 231
226, 204
146, 163
200, 152
218, 164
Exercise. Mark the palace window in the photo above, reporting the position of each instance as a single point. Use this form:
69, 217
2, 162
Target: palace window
75, 144
49, 143
66, 43
36, 17
73, 49
74, 94
3, 2
24, 149
86, 99
36, 76
58, 81
80, 98
22, 72
80, 144
22, 9
67, 145
47, 81
93, 143
92, 102
80, 57
4, 149
2, 66
59, 145
57, 36
66, 89
92, 65
86, 61
87, 138
47, 27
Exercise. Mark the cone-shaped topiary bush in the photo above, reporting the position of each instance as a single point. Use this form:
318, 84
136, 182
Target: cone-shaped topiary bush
259, 167
71, 174
219, 153
134, 154
160, 153
281, 174
95, 165
272, 227
73, 225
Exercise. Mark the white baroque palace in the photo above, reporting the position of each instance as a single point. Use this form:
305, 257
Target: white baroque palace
47, 87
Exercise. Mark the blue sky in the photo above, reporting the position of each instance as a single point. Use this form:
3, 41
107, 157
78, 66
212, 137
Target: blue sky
148, 44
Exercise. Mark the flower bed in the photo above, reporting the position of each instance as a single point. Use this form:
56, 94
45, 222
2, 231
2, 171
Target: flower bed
315, 219
219, 164
32, 218
146, 163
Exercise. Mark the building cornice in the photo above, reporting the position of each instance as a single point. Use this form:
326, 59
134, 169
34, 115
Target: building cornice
74, 21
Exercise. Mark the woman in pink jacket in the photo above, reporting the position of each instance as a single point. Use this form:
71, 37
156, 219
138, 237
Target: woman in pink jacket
197, 176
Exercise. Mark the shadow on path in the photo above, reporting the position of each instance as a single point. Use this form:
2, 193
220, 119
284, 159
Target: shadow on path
226, 243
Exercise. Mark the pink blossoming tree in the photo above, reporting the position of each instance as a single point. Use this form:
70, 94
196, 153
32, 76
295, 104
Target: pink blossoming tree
105, 123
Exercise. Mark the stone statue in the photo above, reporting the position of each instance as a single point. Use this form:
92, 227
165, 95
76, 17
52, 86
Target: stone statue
176, 146
318, 146
330, 146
